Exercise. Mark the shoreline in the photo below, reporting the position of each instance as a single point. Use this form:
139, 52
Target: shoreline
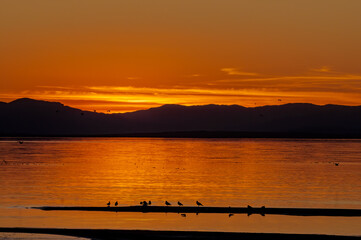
108, 234
195, 134
234, 210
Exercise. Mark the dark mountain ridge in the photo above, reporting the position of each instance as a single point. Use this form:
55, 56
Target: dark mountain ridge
29, 117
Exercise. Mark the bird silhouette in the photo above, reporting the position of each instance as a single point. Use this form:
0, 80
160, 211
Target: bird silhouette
167, 203
179, 203
116, 203
263, 211
144, 203
336, 163
150, 202
108, 204
199, 204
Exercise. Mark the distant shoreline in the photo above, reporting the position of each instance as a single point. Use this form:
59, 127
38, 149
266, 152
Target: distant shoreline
34, 118
163, 235
228, 210
198, 134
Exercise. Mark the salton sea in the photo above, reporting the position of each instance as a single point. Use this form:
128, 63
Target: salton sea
216, 172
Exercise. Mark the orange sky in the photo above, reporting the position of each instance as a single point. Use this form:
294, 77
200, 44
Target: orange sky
128, 55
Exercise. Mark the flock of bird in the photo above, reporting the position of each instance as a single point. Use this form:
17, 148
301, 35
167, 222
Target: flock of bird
145, 203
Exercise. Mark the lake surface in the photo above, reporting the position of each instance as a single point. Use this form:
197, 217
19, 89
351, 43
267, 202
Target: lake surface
216, 172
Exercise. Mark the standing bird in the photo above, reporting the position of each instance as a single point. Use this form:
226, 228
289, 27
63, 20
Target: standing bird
179, 203
116, 203
108, 204
150, 202
199, 204
167, 203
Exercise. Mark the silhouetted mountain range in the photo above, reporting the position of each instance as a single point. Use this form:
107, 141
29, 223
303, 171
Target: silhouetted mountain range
28, 117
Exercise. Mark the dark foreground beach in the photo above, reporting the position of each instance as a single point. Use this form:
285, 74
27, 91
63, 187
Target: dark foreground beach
239, 210
163, 235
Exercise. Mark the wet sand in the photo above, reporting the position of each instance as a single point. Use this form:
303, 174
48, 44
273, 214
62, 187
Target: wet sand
234, 210
162, 235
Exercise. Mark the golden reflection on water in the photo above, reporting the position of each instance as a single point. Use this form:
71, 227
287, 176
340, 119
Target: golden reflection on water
217, 172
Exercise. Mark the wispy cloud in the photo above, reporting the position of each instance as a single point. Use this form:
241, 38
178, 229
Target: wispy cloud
323, 69
195, 75
235, 71
279, 78
315, 83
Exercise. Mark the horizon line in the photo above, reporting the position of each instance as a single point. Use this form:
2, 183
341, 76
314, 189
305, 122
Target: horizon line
171, 104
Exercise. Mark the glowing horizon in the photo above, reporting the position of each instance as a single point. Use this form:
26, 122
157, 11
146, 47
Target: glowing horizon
126, 99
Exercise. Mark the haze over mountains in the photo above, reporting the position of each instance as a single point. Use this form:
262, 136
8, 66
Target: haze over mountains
28, 117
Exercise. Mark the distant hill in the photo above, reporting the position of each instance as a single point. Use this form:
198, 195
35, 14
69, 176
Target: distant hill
28, 117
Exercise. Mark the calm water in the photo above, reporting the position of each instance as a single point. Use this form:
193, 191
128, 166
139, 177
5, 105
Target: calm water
217, 172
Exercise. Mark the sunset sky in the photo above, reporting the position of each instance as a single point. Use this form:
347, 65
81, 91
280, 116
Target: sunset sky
125, 55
